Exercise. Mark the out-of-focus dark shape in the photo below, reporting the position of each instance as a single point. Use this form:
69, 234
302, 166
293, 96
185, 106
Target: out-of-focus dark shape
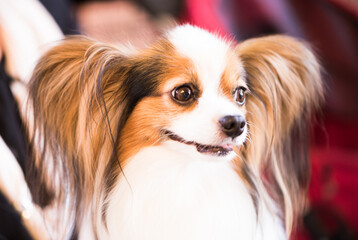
163, 7
62, 12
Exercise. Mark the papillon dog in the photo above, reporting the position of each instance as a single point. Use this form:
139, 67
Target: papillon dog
194, 137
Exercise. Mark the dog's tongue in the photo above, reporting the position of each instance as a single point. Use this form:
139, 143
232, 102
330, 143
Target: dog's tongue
228, 147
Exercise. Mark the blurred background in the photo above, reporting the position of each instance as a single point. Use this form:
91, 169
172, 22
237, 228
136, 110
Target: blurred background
330, 26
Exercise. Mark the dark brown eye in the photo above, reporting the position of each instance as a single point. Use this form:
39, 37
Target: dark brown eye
183, 94
239, 95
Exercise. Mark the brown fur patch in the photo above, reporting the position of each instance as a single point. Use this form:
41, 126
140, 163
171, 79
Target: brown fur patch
144, 126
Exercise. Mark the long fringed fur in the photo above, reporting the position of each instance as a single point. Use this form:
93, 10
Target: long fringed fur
71, 81
82, 97
285, 80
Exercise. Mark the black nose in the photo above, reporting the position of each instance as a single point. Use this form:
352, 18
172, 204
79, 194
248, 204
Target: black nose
233, 126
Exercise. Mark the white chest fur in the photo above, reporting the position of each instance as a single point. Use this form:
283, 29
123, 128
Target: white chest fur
167, 195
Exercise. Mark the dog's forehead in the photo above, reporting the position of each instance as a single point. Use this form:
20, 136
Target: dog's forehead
208, 52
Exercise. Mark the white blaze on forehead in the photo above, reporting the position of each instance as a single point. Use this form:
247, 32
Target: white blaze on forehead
207, 51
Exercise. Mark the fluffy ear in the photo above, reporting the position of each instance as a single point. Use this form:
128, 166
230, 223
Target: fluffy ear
285, 84
82, 93
76, 95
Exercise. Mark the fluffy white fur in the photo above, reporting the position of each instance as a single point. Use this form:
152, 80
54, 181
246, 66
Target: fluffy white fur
174, 192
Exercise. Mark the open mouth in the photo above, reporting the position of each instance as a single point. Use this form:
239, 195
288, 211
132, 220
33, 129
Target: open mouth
207, 149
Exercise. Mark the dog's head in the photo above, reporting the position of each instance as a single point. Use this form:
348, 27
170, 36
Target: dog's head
97, 106
194, 90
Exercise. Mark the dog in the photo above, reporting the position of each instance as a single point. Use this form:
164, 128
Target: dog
194, 137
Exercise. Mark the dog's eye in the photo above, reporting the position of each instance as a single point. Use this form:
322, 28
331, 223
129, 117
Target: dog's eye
182, 94
239, 95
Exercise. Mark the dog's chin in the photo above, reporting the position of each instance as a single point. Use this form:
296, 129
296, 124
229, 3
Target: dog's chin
213, 150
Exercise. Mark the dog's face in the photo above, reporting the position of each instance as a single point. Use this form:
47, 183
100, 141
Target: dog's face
198, 101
